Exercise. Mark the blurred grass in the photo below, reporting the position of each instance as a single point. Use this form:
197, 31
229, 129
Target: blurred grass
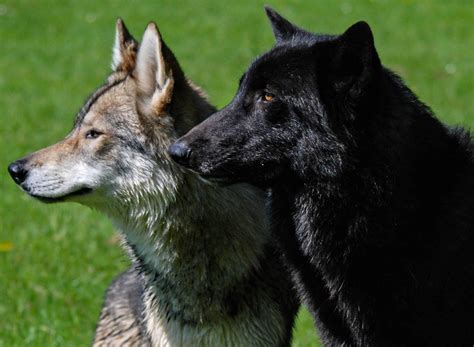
57, 260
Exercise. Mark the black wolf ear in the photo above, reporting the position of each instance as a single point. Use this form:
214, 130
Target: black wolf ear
125, 48
354, 60
153, 72
282, 29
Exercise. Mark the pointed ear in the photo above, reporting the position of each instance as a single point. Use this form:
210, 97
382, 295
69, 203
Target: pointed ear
354, 59
125, 48
153, 73
282, 29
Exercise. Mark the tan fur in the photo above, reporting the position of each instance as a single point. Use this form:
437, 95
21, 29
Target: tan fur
128, 49
120, 322
205, 271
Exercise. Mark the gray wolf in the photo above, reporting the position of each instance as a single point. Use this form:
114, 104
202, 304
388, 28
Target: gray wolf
371, 196
205, 270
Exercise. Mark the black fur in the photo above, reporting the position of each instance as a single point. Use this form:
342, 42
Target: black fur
371, 196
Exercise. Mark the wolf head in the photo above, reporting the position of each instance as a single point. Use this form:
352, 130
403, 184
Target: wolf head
303, 93
120, 136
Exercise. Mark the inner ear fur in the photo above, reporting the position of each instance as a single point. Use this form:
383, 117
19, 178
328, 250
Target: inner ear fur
124, 50
153, 73
162, 87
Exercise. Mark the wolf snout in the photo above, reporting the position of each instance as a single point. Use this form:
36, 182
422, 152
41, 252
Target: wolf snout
180, 152
18, 171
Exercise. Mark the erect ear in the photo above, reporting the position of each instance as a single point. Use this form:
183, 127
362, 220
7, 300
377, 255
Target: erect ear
153, 73
282, 29
125, 48
354, 60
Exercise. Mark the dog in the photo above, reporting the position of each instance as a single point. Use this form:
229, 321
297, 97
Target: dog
371, 196
205, 271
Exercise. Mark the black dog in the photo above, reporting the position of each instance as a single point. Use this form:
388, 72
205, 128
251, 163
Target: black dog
371, 196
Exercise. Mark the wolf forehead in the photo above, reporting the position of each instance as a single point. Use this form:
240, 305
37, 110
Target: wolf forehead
280, 63
97, 96
112, 106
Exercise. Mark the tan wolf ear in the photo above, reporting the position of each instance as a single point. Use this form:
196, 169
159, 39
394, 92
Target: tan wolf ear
125, 49
153, 73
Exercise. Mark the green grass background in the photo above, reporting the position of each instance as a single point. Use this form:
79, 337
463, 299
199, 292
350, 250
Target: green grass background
54, 53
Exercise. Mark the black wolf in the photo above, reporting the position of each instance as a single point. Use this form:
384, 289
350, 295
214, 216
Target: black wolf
371, 196
205, 269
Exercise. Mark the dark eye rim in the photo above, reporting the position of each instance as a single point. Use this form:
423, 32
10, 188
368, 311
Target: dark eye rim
93, 134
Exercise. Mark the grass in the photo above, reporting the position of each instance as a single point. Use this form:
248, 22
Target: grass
57, 260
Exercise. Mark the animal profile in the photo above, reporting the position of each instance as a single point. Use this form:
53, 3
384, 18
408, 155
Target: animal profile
205, 269
371, 196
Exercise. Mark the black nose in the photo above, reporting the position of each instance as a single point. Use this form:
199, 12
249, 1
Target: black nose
18, 171
180, 152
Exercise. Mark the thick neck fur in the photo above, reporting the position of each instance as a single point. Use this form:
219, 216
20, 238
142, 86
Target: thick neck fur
345, 226
203, 251
191, 240
389, 157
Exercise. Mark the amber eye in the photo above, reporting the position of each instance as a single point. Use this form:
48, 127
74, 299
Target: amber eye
93, 134
267, 97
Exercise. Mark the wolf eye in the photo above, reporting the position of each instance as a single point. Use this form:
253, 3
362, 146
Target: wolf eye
93, 134
267, 97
